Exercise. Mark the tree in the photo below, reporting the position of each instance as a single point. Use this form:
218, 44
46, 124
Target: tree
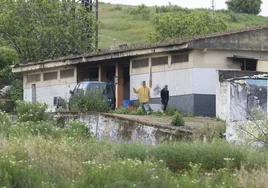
43, 29
244, 6
176, 25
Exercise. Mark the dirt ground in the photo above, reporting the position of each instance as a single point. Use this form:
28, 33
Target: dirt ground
191, 123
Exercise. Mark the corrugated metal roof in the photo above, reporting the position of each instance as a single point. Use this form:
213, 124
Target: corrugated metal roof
141, 46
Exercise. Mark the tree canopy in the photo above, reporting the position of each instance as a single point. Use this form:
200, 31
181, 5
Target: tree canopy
179, 24
245, 6
43, 29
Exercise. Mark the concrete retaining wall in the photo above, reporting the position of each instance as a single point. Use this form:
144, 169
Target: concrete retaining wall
108, 127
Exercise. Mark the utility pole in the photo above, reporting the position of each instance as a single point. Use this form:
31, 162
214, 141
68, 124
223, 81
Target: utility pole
97, 27
213, 4
89, 5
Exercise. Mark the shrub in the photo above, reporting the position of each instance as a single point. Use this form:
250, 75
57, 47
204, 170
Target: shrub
171, 111
93, 101
140, 111
142, 10
4, 123
77, 130
158, 113
31, 128
7, 105
31, 111
121, 111
116, 8
177, 119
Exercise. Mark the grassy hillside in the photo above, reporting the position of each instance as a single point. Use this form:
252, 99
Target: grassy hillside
126, 25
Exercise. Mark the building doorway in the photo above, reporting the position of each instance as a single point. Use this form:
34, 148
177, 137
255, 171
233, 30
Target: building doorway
33, 93
126, 84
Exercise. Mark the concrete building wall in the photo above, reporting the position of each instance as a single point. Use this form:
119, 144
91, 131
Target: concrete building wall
46, 94
207, 58
262, 66
45, 91
42, 83
191, 90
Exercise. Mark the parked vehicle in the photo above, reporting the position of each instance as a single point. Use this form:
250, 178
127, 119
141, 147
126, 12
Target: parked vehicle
87, 87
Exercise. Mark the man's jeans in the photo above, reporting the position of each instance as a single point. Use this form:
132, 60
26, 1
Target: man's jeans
146, 107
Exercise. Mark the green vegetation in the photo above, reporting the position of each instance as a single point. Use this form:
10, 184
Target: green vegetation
176, 25
34, 112
177, 119
245, 6
39, 30
41, 154
93, 101
118, 22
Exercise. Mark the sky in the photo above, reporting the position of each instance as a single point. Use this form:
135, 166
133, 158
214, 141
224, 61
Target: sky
220, 4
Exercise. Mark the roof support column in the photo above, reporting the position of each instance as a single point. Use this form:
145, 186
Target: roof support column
119, 87
102, 73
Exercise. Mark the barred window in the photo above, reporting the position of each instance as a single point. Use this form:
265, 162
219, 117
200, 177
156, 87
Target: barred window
140, 63
68, 73
33, 78
50, 76
180, 57
160, 61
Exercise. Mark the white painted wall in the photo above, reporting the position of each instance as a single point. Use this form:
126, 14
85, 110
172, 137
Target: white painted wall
178, 81
204, 81
46, 94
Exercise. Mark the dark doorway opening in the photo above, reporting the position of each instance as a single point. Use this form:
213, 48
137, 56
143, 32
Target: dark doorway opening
93, 74
126, 83
110, 73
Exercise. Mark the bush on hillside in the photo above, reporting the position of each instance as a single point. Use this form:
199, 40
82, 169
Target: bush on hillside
142, 10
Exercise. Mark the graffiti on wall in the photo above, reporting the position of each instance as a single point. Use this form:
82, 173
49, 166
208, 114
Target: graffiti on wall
248, 100
157, 91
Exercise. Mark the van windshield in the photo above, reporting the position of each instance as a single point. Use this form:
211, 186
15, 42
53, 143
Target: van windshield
97, 87
81, 87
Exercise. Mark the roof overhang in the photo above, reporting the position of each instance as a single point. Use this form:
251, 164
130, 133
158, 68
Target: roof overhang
239, 57
95, 57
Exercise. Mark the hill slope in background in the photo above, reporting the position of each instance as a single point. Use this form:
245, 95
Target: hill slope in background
127, 26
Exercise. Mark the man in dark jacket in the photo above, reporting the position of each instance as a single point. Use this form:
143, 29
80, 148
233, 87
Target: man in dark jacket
165, 97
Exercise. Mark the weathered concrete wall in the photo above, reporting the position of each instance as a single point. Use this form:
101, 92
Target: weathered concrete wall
223, 90
255, 40
248, 99
106, 127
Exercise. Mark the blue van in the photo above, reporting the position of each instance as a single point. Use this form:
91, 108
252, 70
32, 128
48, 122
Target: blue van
86, 87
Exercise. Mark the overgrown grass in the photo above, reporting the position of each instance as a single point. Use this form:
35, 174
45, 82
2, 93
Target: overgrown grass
34, 161
40, 154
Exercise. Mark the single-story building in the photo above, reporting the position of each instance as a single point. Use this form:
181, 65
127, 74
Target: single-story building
188, 66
